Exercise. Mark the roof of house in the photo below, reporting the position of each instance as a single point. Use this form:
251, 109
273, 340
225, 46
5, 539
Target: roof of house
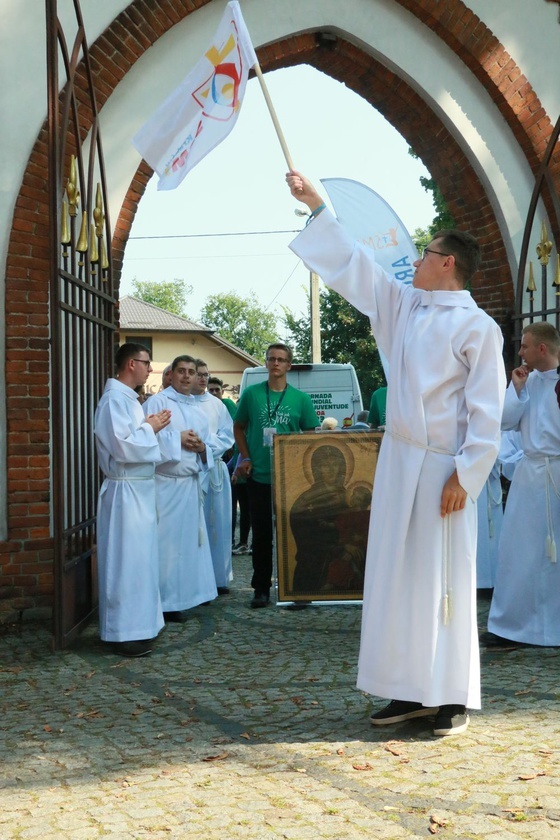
140, 316
136, 314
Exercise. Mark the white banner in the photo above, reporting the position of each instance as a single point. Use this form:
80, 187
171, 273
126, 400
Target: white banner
370, 220
202, 111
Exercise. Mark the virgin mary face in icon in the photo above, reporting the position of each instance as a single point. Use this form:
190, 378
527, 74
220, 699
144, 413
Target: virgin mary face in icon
328, 466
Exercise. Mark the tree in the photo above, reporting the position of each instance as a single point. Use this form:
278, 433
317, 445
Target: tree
443, 218
170, 295
346, 337
421, 238
242, 321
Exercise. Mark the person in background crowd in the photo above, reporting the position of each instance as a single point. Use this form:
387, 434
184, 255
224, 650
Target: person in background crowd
361, 424
217, 488
186, 574
378, 408
216, 388
269, 408
526, 601
166, 377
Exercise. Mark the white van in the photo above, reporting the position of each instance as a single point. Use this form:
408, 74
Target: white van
333, 388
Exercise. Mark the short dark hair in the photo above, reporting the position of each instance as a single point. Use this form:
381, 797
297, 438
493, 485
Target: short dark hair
464, 248
278, 346
178, 359
200, 363
213, 380
127, 351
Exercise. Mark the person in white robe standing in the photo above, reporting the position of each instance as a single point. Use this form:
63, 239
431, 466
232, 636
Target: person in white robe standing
217, 486
130, 614
490, 516
186, 575
419, 641
490, 506
526, 601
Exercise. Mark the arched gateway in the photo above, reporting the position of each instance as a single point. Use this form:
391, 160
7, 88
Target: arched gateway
467, 88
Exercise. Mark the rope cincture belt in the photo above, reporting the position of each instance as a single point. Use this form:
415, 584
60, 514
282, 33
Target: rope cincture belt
446, 591
130, 477
550, 545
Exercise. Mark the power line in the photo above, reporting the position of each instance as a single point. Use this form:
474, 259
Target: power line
282, 286
207, 257
205, 235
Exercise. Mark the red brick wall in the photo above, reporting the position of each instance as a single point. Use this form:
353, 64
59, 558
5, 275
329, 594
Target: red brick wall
26, 558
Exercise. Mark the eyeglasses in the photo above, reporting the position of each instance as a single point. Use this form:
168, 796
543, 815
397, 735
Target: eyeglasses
278, 359
430, 251
146, 362
203, 375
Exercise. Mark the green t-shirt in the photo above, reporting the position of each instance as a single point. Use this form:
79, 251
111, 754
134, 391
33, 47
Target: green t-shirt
230, 405
287, 411
377, 407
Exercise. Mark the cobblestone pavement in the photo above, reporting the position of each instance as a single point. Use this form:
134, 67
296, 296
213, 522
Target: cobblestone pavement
247, 724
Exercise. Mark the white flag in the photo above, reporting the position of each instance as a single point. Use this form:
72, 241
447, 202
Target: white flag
202, 111
370, 220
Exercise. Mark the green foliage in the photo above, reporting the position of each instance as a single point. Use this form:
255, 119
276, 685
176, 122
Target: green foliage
443, 218
421, 238
242, 321
345, 338
170, 295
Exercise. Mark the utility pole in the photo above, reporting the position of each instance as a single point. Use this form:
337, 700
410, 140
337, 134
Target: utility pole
315, 319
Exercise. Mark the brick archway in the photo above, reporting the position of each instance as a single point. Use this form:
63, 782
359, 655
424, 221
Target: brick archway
26, 557
424, 132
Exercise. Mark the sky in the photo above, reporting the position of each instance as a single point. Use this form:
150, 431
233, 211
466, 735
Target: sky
229, 223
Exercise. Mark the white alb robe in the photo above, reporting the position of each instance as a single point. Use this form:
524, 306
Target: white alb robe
127, 545
444, 401
186, 575
217, 486
490, 517
526, 601
491, 510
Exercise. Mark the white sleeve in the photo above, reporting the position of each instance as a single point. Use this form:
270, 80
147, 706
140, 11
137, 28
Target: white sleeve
350, 269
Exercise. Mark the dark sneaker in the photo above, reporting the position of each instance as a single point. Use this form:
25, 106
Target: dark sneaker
260, 599
176, 616
492, 640
134, 648
451, 720
399, 710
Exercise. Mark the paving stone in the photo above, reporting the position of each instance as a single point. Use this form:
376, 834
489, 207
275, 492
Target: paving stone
247, 723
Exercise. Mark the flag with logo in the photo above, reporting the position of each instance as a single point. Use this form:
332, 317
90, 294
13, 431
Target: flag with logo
202, 111
368, 218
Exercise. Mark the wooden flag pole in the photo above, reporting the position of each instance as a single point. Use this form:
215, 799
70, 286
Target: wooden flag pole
268, 100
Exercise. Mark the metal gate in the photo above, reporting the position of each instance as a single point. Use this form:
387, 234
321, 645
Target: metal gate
82, 316
538, 292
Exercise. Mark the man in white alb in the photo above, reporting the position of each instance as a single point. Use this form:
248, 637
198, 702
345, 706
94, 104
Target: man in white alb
526, 601
186, 575
217, 486
419, 643
130, 614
